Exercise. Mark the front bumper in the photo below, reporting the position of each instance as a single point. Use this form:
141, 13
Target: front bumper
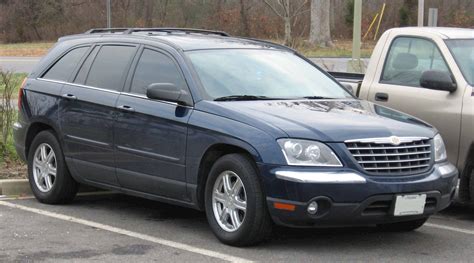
347, 197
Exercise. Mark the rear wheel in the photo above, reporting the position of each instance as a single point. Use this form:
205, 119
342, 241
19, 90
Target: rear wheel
471, 187
403, 226
235, 203
48, 175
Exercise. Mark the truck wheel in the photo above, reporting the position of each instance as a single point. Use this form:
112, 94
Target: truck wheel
235, 203
402, 226
48, 175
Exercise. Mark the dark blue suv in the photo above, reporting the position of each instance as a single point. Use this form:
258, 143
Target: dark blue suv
249, 131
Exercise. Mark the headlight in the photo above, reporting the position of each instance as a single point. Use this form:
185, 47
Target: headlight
309, 153
439, 149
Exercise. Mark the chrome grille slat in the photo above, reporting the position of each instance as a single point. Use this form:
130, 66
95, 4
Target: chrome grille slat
390, 154
395, 147
396, 161
380, 157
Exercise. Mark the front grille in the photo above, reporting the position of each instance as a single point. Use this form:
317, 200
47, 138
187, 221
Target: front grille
387, 159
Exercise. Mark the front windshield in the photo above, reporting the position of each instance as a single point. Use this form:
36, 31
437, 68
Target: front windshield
262, 73
463, 53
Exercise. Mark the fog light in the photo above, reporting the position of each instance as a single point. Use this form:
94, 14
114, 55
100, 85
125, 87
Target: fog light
313, 208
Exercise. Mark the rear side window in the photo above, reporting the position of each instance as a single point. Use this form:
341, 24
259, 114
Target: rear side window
82, 74
155, 67
408, 58
64, 67
109, 67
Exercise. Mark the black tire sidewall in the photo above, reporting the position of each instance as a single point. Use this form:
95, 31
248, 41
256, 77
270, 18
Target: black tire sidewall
61, 169
247, 173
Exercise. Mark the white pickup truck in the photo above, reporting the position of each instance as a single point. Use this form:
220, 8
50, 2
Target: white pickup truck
427, 72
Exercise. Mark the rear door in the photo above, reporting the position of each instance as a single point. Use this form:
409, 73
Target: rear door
87, 111
397, 85
150, 135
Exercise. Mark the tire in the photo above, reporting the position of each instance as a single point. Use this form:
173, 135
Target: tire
255, 223
61, 187
403, 226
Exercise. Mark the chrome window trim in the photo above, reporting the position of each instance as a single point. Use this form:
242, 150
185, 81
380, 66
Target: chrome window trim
387, 140
112, 91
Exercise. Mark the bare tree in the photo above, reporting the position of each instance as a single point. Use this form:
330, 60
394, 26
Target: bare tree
286, 11
244, 18
320, 32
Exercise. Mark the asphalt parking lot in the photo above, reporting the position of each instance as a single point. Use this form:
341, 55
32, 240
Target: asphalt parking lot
113, 227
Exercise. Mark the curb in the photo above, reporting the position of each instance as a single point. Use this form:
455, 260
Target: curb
15, 187
21, 187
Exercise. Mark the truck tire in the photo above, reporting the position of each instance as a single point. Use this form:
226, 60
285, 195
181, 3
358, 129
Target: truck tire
235, 203
471, 186
402, 226
48, 175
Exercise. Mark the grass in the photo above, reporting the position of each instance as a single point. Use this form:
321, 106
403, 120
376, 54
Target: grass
17, 79
25, 49
342, 48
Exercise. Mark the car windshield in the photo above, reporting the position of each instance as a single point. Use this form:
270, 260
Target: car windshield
261, 74
463, 53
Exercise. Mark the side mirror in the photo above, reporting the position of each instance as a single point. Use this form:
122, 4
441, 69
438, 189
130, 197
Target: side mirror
168, 92
437, 80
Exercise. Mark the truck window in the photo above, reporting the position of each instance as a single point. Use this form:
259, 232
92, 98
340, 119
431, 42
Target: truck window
408, 58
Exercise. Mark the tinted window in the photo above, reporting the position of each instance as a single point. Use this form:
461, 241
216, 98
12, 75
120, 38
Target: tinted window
63, 68
155, 67
109, 67
82, 74
408, 58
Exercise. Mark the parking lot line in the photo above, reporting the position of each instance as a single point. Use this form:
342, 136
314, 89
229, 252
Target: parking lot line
450, 228
153, 239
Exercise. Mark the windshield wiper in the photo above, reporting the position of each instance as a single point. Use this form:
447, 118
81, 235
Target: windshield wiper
317, 98
243, 97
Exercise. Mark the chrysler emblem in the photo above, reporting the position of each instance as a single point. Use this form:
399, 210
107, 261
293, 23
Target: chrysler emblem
394, 140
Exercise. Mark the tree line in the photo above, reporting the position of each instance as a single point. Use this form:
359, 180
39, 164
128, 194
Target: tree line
316, 21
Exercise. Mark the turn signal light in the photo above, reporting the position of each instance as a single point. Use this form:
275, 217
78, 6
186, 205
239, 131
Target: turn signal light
282, 206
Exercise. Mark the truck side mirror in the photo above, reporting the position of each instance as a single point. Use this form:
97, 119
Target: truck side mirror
168, 92
437, 80
349, 88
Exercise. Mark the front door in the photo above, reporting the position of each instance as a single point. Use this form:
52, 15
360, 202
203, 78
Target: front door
150, 135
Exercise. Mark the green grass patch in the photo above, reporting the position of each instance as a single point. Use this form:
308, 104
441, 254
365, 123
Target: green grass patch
17, 79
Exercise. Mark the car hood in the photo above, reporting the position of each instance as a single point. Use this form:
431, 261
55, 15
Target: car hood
323, 120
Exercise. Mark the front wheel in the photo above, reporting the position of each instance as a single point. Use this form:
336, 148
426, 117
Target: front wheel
235, 203
403, 226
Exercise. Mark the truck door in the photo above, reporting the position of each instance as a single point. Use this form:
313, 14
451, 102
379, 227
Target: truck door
397, 85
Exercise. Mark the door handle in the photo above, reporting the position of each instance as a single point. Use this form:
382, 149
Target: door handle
125, 108
380, 96
69, 96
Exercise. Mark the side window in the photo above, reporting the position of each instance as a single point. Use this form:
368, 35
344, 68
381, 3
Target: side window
84, 70
155, 67
63, 68
408, 58
109, 67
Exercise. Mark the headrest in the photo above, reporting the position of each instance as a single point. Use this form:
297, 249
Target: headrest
405, 61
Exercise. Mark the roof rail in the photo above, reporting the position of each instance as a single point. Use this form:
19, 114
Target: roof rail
156, 29
107, 30
177, 30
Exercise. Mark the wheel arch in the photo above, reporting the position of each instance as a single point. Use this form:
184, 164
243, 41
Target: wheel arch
35, 128
465, 182
211, 155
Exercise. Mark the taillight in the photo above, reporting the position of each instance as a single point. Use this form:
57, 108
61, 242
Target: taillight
20, 93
